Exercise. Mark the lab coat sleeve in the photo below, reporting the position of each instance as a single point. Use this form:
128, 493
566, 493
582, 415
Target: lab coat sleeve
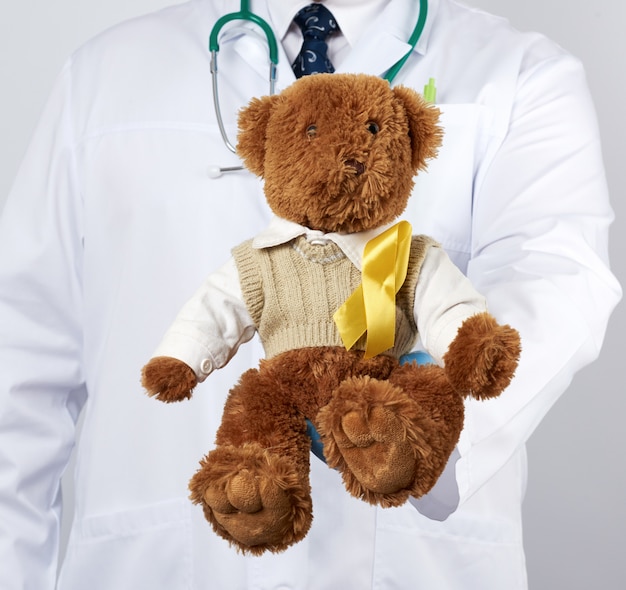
541, 217
211, 326
41, 381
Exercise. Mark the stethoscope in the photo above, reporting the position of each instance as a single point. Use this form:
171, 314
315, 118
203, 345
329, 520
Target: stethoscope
244, 14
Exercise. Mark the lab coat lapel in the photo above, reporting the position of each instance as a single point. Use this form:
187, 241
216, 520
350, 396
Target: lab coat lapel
253, 50
249, 43
384, 42
367, 58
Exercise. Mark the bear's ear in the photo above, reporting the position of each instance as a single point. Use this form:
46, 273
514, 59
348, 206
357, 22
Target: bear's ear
425, 133
253, 120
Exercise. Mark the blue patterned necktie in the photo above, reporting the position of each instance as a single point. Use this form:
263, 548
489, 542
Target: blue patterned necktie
316, 23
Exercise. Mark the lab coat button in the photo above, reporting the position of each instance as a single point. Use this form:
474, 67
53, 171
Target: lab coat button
206, 366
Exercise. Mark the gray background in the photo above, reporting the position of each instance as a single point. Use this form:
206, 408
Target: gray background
575, 508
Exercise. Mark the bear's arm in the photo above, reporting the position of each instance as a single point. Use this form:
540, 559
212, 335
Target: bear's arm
211, 326
444, 299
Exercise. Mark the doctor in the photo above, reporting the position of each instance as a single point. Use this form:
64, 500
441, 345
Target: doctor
113, 222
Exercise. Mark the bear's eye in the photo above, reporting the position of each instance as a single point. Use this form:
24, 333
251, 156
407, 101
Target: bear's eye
372, 127
311, 131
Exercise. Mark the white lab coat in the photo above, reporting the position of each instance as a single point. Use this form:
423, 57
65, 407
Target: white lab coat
113, 223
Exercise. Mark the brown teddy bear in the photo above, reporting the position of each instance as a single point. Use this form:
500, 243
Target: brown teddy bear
337, 295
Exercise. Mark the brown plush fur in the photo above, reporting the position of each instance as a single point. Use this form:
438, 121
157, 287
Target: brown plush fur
339, 176
168, 379
392, 438
388, 428
483, 357
253, 497
338, 153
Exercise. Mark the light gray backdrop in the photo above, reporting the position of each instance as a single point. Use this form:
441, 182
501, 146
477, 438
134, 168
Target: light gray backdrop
575, 509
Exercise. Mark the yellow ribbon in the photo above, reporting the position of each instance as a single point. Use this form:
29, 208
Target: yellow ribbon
372, 306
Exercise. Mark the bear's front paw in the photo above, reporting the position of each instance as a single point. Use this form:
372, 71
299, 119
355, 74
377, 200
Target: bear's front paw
168, 379
253, 498
482, 359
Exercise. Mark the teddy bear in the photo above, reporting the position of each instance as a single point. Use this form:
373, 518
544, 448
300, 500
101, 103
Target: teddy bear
338, 291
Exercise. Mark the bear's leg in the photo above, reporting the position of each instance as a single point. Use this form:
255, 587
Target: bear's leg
254, 487
391, 438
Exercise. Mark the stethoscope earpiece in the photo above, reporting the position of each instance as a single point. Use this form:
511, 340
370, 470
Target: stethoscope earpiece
215, 171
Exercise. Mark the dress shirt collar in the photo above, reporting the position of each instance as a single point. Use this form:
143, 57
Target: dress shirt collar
353, 16
279, 231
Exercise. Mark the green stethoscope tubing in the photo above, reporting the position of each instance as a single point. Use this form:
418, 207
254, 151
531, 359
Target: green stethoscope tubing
245, 14
413, 40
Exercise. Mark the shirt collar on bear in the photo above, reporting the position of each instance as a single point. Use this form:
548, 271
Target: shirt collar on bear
279, 231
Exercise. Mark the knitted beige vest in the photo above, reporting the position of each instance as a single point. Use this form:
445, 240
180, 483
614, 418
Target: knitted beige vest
293, 290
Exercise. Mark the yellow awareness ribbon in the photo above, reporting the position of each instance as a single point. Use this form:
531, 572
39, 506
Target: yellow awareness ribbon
372, 306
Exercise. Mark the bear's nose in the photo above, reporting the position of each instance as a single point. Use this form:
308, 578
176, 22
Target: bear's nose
359, 167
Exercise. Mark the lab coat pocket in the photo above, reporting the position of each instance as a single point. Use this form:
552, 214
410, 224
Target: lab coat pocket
141, 549
441, 204
466, 552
